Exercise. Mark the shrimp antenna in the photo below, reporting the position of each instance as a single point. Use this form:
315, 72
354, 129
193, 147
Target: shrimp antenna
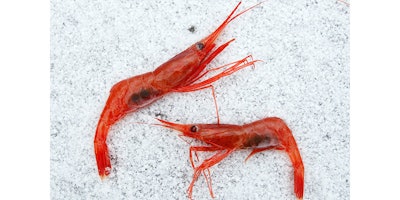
231, 17
247, 9
151, 124
164, 123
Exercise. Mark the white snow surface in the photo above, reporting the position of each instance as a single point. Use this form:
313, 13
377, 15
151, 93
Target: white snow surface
304, 80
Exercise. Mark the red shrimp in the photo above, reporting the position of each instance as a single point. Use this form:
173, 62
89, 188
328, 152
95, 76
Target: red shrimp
178, 74
265, 134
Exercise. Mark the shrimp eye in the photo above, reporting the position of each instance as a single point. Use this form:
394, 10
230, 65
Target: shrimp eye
200, 46
194, 128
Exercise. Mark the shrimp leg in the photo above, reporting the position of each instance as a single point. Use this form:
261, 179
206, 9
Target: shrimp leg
258, 150
232, 63
237, 65
206, 165
195, 149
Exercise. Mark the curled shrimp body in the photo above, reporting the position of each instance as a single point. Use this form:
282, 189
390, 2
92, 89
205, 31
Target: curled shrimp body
178, 74
265, 134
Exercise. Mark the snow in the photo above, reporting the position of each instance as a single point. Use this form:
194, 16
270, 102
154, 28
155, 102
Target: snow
304, 80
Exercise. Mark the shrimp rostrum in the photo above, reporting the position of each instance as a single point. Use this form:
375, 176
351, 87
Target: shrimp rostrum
179, 74
266, 134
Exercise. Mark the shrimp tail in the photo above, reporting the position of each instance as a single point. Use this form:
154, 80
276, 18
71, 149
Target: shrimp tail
101, 150
298, 172
287, 144
287, 139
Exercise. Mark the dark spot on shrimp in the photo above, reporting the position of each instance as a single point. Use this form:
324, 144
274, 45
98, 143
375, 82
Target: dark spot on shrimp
135, 98
267, 140
145, 94
200, 46
257, 139
192, 29
194, 129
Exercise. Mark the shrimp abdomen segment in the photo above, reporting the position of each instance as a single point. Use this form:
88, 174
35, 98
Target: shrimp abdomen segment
141, 92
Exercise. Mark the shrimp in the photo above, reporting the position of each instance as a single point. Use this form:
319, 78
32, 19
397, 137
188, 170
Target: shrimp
265, 134
178, 74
